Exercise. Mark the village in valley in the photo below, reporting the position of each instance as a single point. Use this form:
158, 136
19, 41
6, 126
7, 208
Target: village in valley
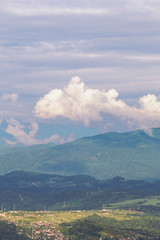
45, 225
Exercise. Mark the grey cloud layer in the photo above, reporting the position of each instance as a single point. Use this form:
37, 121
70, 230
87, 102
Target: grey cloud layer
112, 44
114, 6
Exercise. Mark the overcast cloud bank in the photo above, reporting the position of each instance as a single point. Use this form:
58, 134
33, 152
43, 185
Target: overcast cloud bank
109, 44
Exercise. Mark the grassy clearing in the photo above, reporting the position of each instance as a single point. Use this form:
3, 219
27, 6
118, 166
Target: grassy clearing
154, 201
25, 217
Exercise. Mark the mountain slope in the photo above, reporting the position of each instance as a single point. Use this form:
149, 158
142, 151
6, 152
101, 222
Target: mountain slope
33, 191
133, 155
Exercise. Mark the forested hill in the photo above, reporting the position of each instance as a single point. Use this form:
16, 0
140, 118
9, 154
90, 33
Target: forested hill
132, 155
33, 191
30, 180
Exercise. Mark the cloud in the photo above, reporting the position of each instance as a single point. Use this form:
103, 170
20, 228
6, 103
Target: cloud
44, 11
79, 103
18, 130
75, 102
113, 44
8, 142
149, 131
41, 8
12, 97
96, 7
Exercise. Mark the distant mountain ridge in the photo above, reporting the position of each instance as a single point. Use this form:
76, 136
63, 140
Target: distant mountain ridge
30, 180
132, 155
33, 191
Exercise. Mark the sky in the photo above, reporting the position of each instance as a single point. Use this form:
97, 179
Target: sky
70, 69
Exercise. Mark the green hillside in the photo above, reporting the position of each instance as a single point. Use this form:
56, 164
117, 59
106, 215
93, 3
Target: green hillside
22, 190
132, 155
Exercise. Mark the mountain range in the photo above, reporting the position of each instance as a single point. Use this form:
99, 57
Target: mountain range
132, 155
21, 190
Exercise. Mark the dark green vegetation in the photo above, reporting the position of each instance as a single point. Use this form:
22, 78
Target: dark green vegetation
87, 228
32, 191
132, 155
8, 231
96, 227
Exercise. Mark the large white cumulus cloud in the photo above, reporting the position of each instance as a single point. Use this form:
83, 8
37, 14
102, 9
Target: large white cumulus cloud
75, 102
79, 103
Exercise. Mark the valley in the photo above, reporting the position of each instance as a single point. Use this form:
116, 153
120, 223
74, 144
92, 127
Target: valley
100, 224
